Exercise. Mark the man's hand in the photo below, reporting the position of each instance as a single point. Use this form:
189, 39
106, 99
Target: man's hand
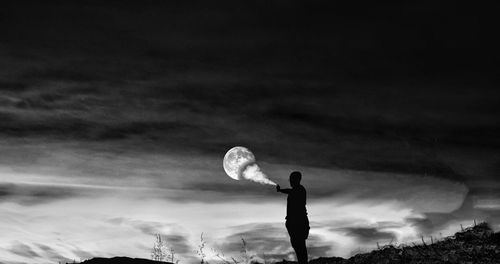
278, 188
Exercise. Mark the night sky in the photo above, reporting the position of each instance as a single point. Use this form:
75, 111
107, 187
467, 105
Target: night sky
115, 117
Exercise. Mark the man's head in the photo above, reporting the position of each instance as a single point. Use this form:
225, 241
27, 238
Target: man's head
295, 178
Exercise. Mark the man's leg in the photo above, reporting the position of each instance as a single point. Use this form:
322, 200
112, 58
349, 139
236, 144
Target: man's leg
302, 252
299, 245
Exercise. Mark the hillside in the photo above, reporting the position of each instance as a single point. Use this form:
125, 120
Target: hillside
122, 260
477, 244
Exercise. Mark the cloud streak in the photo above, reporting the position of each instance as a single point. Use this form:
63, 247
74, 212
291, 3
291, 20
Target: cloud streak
23, 250
33, 194
368, 234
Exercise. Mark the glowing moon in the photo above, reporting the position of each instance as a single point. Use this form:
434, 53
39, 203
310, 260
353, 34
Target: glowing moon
235, 160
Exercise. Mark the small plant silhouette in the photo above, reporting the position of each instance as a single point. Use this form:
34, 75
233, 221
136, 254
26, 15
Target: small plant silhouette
245, 257
201, 247
160, 251
244, 251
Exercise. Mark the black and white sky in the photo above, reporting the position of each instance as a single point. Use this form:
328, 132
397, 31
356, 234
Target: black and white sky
115, 117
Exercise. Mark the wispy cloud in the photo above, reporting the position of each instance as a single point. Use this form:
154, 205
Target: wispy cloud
33, 194
52, 254
269, 240
367, 234
23, 250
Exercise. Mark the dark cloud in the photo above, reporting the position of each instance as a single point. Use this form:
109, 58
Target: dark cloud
52, 254
342, 185
32, 194
23, 250
149, 228
389, 224
213, 121
244, 190
284, 121
179, 243
291, 88
367, 234
12, 86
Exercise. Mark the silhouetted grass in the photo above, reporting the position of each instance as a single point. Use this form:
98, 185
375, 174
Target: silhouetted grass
475, 244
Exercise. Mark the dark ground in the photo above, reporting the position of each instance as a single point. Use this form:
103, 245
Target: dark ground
477, 244
121, 260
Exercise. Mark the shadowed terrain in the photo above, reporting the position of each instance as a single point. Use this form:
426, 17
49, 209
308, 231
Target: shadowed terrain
477, 244
122, 260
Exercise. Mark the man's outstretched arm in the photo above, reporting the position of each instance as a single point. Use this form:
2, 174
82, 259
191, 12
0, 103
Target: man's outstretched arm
278, 189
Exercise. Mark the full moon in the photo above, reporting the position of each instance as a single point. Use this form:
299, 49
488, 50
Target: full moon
235, 160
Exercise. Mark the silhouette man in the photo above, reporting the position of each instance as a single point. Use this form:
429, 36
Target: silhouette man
297, 223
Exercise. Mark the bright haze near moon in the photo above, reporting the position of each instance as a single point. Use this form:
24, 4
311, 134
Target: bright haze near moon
114, 118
